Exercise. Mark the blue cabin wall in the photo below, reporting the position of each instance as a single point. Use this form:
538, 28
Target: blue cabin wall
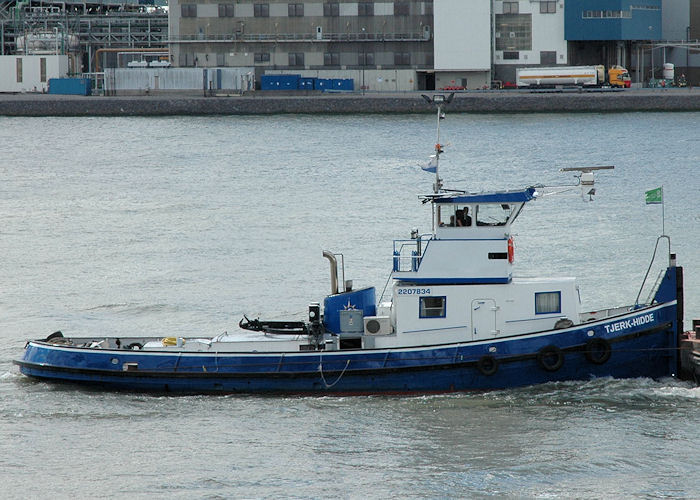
668, 287
363, 300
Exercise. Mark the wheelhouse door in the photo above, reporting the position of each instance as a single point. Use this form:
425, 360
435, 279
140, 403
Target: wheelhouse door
484, 319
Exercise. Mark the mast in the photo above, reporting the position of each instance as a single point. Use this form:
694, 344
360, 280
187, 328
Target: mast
438, 148
438, 100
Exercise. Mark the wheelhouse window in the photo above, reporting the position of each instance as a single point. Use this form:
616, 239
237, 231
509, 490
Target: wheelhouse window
432, 307
494, 214
547, 302
485, 214
454, 216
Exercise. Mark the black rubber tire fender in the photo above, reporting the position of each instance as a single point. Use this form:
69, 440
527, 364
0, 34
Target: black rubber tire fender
550, 358
598, 350
487, 365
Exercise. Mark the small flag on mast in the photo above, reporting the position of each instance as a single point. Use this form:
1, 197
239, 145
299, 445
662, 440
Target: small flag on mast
431, 166
655, 196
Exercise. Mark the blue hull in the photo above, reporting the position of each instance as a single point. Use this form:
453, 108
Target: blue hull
642, 343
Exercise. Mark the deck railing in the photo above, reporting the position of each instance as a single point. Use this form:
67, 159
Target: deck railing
407, 254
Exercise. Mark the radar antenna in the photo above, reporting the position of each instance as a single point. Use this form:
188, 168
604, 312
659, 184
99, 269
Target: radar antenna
584, 180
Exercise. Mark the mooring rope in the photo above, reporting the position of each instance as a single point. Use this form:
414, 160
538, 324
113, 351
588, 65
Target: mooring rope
320, 370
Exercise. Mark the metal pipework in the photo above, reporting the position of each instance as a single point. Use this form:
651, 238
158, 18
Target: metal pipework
334, 271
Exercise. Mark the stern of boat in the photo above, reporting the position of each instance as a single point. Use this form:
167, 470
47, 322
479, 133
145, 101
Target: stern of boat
669, 289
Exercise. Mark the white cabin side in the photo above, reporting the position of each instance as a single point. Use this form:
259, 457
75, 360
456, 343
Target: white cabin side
437, 314
470, 241
456, 284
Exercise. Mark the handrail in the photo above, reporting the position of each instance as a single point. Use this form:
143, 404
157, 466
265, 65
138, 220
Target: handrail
653, 257
414, 259
656, 285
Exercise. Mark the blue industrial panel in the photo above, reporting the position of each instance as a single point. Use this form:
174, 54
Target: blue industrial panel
289, 82
279, 82
346, 84
306, 83
70, 86
612, 20
269, 82
323, 84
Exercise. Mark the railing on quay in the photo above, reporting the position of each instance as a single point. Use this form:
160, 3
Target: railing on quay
301, 37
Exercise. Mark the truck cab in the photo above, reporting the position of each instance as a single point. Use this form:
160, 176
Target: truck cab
619, 77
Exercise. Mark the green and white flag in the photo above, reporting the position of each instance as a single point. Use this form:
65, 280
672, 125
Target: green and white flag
655, 196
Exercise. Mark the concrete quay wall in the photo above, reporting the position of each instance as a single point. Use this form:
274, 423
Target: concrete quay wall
268, 103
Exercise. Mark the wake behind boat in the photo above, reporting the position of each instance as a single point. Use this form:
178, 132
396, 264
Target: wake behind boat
457, 319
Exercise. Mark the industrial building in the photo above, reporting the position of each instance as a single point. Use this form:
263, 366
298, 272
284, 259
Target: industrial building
88, 35
382, 45
400, 45
411, 45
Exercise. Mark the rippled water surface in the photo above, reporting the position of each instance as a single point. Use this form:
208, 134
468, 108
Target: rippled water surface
177, 226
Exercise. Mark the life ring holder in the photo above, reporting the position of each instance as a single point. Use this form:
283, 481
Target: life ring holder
550, 358
487, 365
598, 350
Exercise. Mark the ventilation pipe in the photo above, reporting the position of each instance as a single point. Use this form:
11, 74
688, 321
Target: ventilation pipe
334, 271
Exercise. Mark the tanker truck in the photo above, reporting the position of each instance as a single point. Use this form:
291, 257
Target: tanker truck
581, 76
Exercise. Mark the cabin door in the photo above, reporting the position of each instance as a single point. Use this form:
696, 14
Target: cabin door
484, 319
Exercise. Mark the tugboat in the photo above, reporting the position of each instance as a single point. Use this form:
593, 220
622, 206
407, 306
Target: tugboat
457, 319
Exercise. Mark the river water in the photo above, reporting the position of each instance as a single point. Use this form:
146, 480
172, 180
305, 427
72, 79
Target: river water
178, 226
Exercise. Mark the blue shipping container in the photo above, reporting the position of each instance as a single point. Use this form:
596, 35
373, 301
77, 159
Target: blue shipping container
279, 82
345, 84
306, 83
70, 86
323, 84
